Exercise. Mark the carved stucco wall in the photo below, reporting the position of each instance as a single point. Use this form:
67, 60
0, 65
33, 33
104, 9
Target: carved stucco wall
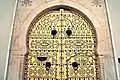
28, 9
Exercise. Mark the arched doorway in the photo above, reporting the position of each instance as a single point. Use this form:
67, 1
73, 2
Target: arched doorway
61, 45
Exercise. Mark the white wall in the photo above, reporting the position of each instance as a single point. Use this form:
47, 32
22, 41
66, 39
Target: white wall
114, 8
6, 12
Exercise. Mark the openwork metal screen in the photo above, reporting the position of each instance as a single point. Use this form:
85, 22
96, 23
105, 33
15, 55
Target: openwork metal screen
61, 45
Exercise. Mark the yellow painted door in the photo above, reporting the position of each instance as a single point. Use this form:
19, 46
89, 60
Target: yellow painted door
61, 45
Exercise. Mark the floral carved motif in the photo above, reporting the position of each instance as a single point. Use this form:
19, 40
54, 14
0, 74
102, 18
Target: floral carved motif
97, 3
26, 3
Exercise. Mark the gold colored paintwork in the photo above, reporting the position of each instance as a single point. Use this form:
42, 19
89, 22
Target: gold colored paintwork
61, 50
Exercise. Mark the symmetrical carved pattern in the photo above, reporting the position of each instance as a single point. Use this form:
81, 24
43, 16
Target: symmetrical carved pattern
97, 3
60, 52
26, 2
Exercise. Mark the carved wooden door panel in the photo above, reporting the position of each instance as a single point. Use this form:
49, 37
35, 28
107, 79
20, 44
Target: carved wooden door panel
61, 45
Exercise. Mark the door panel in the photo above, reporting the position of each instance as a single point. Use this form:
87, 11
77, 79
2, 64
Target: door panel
59, 55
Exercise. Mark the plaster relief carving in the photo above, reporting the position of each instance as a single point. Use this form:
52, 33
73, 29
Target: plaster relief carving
26, 3
96, 3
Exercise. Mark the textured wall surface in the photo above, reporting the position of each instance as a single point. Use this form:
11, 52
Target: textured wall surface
26, 12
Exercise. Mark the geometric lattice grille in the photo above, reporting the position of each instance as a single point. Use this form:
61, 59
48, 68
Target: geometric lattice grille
61, 57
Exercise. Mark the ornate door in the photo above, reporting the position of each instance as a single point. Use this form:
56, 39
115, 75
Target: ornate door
61, 45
